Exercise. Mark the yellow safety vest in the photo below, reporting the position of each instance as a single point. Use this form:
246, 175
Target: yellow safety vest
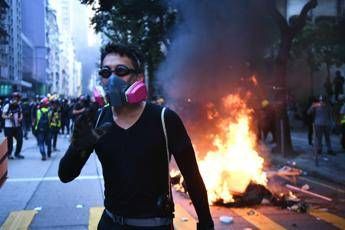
55, 121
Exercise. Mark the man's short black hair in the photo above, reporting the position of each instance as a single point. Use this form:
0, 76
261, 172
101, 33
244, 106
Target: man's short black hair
124, 50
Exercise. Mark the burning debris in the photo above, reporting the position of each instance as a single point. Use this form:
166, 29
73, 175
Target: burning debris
234, 163
254, 194
233, 170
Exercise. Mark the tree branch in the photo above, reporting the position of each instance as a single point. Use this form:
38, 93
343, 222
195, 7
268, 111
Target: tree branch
302, 18
280, 20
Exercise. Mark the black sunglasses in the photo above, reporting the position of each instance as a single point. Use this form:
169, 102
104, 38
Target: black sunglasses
120, 71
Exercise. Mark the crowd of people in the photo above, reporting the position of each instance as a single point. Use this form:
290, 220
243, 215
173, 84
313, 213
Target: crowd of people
322, 115
46, 117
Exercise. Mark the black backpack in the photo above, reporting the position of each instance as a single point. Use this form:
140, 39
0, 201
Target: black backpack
43, 123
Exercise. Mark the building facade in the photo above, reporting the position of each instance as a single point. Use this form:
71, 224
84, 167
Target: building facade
35, 35
53, 43
11, 51
70, 71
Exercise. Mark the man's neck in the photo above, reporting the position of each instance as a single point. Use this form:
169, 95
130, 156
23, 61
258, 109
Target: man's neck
128, 109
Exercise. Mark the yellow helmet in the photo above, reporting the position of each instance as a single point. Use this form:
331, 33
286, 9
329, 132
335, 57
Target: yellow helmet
265, 103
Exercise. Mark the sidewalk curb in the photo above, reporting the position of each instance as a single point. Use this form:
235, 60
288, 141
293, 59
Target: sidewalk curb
310, 172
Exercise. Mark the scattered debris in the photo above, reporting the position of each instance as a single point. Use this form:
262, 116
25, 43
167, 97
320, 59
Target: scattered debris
287, 173
251, 212
256, 194
79, 206
308, 192
290, 202
292, 197
265, 201
184, 219
38, 208
253, 195
226, 219
305, 187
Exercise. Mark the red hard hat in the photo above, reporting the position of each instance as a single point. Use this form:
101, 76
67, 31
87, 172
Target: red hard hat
45, 101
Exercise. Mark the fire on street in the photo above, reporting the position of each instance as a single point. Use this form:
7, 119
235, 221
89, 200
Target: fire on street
36, 199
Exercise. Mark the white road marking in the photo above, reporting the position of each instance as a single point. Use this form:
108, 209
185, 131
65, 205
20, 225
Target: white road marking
33, 179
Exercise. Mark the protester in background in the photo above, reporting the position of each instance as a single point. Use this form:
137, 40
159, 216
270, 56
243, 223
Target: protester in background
26, 117
338, 83
323, 122
35, 105
342, 120
328, 87
266, 121
42, 129
13, 115
65, 120
308, 119
55, 122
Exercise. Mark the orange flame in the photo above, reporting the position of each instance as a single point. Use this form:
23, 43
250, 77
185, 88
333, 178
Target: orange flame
254, 80
234, 164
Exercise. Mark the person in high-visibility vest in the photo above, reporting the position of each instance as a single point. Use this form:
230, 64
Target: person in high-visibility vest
42, 129
55, 122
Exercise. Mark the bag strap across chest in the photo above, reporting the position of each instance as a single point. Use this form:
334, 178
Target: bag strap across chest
167, 149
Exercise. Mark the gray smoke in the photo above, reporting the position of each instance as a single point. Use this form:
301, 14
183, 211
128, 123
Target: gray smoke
210, 50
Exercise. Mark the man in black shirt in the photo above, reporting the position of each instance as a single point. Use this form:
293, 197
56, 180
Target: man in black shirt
129, 140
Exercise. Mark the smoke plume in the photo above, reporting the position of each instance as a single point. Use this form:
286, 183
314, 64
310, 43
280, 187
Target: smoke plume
212, 47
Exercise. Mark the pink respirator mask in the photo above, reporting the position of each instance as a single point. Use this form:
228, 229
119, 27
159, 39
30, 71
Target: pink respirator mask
136, 93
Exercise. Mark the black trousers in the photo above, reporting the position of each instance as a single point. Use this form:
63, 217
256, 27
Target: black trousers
310, 133
343, 135
320, 131
16, 133
65, 123
26, 128
106, 223
54, 133
44, 138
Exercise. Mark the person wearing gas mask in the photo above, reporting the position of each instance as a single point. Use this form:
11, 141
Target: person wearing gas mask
134, 140
323, 122
13, 116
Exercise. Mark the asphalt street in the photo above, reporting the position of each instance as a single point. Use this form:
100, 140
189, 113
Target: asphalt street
34, 198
